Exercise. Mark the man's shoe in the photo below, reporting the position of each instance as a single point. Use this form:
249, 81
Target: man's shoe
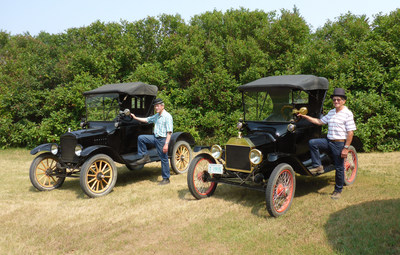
164, 182
317, 170
336, 195
144, 160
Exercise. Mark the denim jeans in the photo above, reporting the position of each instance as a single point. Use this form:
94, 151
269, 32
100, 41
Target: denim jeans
159, 142
335, 148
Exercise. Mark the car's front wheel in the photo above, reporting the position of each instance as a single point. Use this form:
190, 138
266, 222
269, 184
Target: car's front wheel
197, 177
280, 190
44, 174
181, 157
98, 175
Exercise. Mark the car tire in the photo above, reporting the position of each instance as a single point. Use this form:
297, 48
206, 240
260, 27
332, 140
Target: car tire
350, 166
197, 176
42, 172
98, 175
181, 156
280, 190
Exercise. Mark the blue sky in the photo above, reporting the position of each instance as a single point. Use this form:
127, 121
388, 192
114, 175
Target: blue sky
55, 16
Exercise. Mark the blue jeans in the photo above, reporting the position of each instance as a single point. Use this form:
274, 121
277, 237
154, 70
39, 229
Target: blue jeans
335, 148
159, 142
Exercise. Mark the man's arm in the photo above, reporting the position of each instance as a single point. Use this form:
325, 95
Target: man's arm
165, 148
138, 118
349, 138
313, 120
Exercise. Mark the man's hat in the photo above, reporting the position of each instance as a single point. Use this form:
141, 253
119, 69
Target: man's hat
339, 92
158, 101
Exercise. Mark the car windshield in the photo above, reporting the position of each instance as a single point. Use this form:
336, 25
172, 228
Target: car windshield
272, 105
104, 107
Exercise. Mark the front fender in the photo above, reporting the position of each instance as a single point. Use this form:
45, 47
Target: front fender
42, 147
100, 149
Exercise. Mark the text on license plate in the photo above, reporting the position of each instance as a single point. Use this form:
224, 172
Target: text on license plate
215, 169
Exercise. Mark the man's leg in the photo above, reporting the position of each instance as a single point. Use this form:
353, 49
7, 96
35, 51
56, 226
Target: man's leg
141, 144
336, 149
165, 173
315, 146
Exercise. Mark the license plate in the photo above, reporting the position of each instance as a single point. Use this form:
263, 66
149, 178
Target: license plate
215, 169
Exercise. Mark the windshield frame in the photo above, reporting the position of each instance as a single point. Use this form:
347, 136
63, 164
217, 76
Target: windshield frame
108, 115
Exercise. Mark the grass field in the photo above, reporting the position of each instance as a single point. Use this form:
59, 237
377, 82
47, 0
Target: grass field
139, 217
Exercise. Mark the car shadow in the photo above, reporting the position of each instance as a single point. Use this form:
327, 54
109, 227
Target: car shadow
367, 228
255, 199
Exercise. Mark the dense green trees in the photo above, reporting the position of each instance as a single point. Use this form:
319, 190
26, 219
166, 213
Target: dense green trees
197, 67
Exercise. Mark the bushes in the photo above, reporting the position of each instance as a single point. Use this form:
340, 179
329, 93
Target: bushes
198, 66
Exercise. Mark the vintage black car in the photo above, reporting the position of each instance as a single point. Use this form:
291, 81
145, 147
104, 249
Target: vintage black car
272, 142
109, 134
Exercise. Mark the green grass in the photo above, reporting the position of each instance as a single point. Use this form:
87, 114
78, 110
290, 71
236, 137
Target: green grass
141, 217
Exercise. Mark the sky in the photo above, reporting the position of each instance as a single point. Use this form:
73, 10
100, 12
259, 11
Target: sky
56, 16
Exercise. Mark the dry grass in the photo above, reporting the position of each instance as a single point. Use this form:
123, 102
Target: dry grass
139, 217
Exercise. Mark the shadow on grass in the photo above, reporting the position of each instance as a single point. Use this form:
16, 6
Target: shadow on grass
256, 199
367, 228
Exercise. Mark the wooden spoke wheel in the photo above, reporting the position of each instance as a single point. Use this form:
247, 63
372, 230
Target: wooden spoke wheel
181, 157
44, 174
98, 175
350, 166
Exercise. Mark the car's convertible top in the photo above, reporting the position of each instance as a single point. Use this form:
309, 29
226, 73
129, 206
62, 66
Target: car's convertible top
303, 82
132, 88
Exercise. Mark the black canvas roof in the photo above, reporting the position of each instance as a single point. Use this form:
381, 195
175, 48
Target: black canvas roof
303, 82
132, 88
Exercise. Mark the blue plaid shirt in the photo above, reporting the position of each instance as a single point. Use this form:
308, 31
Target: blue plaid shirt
163, 123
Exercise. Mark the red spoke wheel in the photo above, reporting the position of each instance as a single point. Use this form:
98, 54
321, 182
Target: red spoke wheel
44, 174
350, 166
280, 190
198, 175
98, 175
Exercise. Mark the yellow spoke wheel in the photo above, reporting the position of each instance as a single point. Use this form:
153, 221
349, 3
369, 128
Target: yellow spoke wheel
181, 156
44, 174
98, 175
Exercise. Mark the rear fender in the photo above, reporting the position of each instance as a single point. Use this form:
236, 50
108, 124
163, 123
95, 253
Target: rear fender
179, 136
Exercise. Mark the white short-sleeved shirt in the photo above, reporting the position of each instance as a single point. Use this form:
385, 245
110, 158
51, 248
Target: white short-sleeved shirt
339, 123
163, 123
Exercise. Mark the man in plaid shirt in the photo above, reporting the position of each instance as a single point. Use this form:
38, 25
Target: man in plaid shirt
341, 125
163, 126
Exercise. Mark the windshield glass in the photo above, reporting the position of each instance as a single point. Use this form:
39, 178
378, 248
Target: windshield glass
272, 105
103, 107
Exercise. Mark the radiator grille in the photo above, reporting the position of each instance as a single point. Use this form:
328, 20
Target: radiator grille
68, 144
237, 158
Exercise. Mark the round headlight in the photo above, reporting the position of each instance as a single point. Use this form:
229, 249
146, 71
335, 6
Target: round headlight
78, 150
216, 151
54, 149
255, 156
291, 128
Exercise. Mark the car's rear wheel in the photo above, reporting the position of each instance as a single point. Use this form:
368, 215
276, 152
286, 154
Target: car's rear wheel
44, 174
197, 177
181, 157
98, 175
350, 166
280, 190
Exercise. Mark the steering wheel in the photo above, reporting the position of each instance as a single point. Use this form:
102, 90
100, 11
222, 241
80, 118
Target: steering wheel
287, 115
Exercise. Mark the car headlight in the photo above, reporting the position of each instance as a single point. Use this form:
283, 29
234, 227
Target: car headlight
54, 149
255, 156
216, 151
78, 150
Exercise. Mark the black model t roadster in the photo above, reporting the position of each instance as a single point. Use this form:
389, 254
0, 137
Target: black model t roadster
109, 134
272, 143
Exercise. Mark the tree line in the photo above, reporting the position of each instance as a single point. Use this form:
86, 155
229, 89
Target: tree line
197, 66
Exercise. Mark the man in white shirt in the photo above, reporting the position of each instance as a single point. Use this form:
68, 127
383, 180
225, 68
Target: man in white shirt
341, 125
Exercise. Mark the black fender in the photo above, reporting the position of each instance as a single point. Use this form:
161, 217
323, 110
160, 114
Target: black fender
357, 144
179, 136
205, 155
97, 149
42, 147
